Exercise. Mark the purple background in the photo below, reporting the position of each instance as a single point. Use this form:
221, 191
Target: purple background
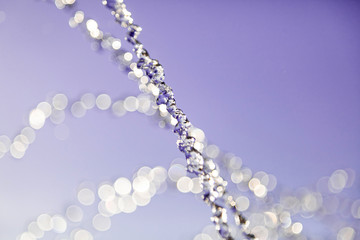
275, 82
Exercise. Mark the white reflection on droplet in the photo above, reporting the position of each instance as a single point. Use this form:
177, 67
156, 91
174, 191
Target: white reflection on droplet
176, 171
37, 119
45, 222
346, 233
35, 230
45, 107
184, 184
242, 203
74, 213
106, 192
122, 186
86, 196
118, 108
60, 224
83, 235
60, 101
127, 204
88, 100
131, 103
78, 109
101, 223
103, 101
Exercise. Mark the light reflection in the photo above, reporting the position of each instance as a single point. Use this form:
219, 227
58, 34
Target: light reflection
337, 181
82, 234
297, 228
346, 233
127, 204
59, 224
184, 184
45, 222
45, 107
242, 203
35, 230
88, 100
60, 101
141, 184
57, 116
118, 108
131, 104
37, 119
29, 133
106, 192
78, 109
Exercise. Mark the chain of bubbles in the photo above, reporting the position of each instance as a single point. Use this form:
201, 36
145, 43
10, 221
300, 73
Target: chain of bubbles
270, 218
309, 202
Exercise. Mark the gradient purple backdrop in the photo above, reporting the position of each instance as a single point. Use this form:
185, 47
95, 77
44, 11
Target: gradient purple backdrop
275, 82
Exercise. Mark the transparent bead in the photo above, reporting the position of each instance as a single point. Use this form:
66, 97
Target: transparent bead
111, 4
182, 127
195, 161
186, 145
134, 31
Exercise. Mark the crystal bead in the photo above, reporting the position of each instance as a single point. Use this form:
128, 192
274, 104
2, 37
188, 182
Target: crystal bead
180, 127
111, 4
186, 145
195, 161
134, 31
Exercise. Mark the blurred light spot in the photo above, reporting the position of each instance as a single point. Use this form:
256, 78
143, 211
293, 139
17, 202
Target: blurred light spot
74, 213
103, 209
144, 103
83, 235
112, 206
311, 202
91, 25
60, 224
351, 177
45, 222
176, 171
86, 196
260, 232
127, 204
253, 183
242, 203
198, 134
355, 209
196, 188
297, 228
27, 236
184, 184
260, 191
72, 23
128, 56
236, 177
212, 151
270, 219
88, 100
60, 101
35, 230
78, 109
57, 116
17, 149
103, 101
45, 107
202, 236
116, 44
2, 16
272, 182
346, 233
101, 223
118, 108
106, 192
79, 17
285, 219
62, 132
158, 174
122, 186
37, 119
131, 103
141, 199
29, 133
141, 184
5, 143
337, 181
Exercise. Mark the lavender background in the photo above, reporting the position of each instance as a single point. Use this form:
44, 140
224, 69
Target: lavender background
275, 82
